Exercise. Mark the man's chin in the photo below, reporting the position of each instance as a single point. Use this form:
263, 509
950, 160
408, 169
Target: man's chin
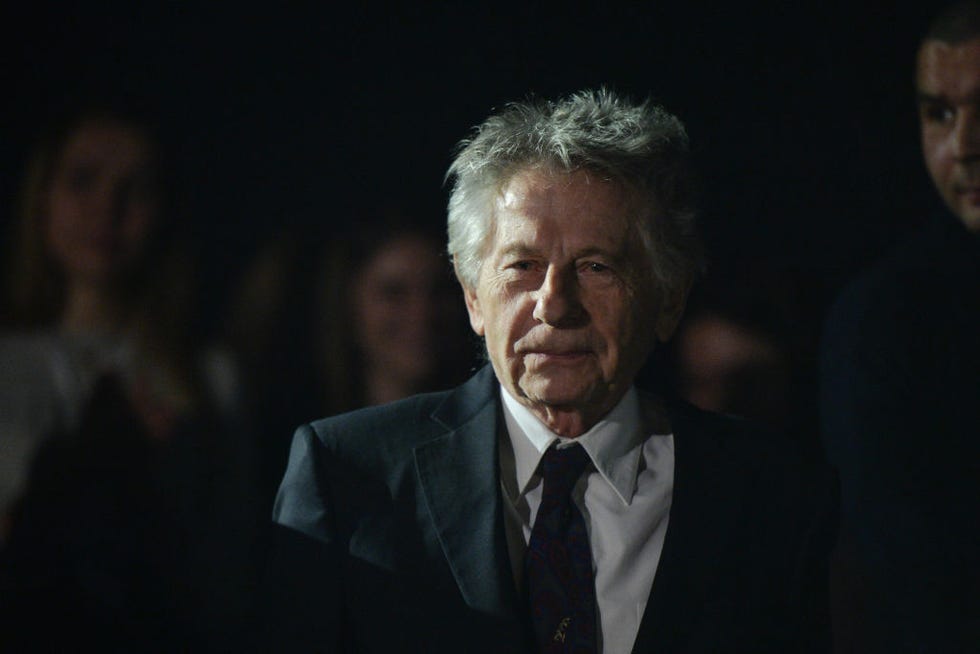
970, 218
966, 208
561, 392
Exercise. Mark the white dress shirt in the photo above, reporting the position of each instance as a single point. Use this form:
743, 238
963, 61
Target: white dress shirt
625, 500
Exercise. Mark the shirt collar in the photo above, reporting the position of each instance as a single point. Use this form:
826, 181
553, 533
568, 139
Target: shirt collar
614, 444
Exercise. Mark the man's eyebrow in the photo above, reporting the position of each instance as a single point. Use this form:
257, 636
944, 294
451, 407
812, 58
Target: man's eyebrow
922, 96
925, 97
521, 250
518, 250
593, 251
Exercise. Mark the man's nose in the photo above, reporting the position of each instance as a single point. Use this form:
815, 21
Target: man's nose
966, 135
558, 302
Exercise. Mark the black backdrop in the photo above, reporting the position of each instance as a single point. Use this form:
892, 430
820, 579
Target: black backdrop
802, 116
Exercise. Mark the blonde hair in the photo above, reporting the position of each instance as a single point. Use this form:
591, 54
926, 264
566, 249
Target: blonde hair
156, 296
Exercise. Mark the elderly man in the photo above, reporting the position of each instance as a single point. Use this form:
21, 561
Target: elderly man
547, 504
901, 382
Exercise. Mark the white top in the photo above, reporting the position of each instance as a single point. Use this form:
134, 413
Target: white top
625, 500
47, 378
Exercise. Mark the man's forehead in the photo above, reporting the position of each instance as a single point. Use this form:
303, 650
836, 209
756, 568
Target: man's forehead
612, 238
542, 189
950, 71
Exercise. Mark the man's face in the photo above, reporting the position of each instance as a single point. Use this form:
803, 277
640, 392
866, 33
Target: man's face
565, 297
949, 113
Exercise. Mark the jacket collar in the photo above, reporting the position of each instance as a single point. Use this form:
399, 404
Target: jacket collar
459, 475
462, 495
614, 444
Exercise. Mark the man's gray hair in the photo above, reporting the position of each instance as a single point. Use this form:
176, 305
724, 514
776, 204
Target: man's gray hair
641, 146
957, 23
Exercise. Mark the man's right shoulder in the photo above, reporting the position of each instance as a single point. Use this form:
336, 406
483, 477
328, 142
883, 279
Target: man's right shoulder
367, 455
350, 458
396, 428
402, 423
900, 289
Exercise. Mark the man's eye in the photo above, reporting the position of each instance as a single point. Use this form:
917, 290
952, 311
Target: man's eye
522, 265
595, 267
937, 112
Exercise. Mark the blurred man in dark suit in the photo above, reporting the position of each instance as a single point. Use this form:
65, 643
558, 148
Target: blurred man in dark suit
901, 381
547, 504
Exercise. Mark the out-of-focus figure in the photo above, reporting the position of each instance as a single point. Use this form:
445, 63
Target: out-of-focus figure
728, 368
747, 347
900, 393
94, 287
112, 425
360, 316
391, 324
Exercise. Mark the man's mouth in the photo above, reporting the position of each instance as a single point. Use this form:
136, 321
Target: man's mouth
970, 192
556, 356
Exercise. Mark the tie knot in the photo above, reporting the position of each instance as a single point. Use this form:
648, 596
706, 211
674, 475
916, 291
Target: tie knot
561, 468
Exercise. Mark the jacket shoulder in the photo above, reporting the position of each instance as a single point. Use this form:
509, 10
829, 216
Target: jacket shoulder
751, 446
393, 430
383, 420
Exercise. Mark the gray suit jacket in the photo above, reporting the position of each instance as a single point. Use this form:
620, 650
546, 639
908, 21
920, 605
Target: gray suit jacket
390, 537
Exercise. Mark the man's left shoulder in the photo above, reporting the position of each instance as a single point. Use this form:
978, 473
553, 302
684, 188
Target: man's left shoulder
751, 450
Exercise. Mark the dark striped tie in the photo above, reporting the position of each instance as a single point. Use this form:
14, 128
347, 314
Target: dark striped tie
558, 564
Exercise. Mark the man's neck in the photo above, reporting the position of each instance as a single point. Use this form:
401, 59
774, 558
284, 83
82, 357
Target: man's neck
569, 423
565, 421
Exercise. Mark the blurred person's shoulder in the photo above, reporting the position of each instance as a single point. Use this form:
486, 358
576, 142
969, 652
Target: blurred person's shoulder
910, 290
38, 398
38, 374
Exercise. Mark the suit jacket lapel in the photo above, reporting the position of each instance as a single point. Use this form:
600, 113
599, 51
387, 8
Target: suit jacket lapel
459, 476
706, 502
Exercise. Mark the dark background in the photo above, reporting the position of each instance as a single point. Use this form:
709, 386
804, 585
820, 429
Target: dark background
802, 117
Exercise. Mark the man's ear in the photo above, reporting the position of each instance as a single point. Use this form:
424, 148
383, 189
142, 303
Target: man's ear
669, 315
472, 305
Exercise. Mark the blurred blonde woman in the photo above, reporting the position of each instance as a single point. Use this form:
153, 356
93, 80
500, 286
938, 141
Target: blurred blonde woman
327, 323
93, 287
109, 418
